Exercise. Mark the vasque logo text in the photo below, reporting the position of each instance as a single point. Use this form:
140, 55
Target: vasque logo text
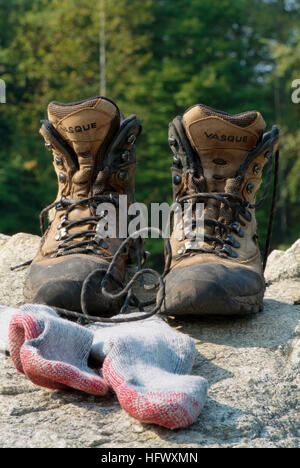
80, 128
230, 138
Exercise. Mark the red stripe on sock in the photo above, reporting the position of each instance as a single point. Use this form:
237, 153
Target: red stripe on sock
22, 327
46, 373
171, 410
58, 375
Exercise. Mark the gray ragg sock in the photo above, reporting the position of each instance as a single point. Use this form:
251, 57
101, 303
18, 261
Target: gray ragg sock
147, 364
51, 351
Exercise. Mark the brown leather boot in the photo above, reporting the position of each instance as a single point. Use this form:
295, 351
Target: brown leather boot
94, 158
218, 161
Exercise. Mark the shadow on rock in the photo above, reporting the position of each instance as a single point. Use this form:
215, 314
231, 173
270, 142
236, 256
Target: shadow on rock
216, 424
268, 329
101, 404
206, 368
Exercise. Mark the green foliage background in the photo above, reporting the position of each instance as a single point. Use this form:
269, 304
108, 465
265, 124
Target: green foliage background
162, 57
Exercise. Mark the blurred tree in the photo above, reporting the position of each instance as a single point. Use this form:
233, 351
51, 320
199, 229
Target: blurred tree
162, 57
285, 52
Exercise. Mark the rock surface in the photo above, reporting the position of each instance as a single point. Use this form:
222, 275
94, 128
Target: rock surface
251, 364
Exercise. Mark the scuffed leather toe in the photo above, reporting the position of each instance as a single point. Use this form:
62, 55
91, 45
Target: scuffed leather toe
213, 289
60, 285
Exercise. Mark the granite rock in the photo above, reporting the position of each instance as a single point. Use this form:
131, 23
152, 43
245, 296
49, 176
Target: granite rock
251, 364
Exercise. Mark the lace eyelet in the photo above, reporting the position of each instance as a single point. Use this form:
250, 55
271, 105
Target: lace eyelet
125, 156
247, 215
58, 160
131, 139
59, 206
256, 169
123, 175
232, 241
250, 188
236, 227
63, 221
228, 250
62, 234
177, 179
62, 177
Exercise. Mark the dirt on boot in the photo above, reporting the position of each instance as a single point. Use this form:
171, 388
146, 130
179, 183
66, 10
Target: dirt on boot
218, 161
94, 158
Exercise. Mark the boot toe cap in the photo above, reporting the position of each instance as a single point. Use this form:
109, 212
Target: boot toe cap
60, 285
213, 289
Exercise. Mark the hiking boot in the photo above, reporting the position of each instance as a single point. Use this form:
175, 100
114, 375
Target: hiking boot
93, 148
218, 161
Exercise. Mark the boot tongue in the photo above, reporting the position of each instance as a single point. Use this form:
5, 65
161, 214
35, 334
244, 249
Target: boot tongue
86, 125
221, 140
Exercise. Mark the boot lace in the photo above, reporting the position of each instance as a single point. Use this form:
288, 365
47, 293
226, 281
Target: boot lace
91, 245
223, 243
92, 242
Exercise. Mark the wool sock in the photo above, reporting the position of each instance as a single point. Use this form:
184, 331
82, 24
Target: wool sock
147, 364
52, 352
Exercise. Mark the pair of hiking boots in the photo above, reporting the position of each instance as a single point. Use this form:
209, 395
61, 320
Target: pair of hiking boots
218, 160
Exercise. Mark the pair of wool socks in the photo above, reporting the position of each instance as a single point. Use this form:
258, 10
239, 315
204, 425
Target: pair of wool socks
146, 363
